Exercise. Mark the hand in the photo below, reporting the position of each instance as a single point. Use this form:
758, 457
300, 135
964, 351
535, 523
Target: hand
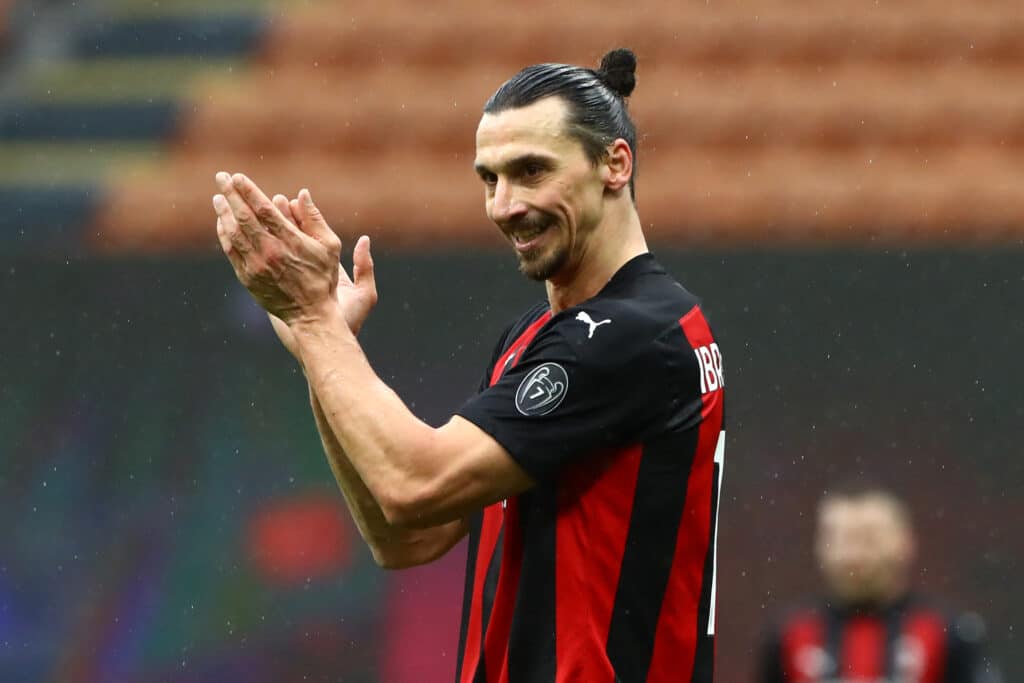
286, 255
364, 275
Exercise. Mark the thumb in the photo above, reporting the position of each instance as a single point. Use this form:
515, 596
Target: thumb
312, 221
362, 267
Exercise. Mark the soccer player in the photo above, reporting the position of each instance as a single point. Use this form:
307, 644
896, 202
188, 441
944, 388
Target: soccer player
872, 628
587, 469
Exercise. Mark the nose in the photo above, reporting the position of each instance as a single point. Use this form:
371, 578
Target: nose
505, 204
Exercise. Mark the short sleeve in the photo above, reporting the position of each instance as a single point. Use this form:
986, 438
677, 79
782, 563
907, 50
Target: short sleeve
566, 398
485, 379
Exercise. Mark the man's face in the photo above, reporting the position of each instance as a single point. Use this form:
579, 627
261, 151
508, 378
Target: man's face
864, 548
541, 190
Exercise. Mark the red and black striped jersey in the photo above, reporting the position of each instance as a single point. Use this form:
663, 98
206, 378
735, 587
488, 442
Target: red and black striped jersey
605, 569
907, 642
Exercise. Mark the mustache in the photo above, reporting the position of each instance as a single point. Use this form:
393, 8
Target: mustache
539, 221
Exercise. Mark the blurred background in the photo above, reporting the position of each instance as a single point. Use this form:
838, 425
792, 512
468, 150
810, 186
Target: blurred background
842, 182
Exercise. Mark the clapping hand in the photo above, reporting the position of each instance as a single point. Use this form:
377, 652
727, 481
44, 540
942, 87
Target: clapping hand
287, 256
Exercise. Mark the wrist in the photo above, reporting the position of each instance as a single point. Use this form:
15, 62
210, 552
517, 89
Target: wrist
325, 318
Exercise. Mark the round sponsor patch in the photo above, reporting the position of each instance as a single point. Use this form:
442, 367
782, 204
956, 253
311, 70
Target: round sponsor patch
542, 390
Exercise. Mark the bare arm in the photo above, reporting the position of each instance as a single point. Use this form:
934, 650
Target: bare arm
392, 547
421, 477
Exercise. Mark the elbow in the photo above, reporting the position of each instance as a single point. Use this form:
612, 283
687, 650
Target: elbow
401, 511
396, 558
392, 561
411, 508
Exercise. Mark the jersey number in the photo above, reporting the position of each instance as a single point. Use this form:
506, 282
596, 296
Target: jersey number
719, 466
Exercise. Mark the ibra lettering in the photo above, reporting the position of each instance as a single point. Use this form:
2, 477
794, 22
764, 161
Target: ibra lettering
709, 360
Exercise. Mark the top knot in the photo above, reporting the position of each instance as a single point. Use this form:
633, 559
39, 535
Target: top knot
618, 71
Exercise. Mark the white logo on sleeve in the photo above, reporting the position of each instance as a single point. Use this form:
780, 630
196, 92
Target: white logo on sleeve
585, 318
542, 390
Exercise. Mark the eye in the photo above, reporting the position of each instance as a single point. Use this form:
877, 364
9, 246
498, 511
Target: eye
532, 170
489, 178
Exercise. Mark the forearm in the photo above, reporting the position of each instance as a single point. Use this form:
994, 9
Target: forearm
390, 450
392, 547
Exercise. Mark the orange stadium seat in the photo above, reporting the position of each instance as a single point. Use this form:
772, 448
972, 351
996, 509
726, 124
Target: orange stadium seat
781, 30
775, 194
832, 122
6, 6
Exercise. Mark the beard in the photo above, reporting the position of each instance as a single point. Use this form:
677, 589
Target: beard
540, 265
543, 266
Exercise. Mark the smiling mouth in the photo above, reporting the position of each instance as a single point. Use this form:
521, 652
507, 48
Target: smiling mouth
524, 237
527, 234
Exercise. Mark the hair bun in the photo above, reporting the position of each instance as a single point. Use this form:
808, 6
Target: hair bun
618, 71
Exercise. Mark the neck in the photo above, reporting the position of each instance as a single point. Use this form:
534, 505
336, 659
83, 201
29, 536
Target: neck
879, 601
616, 240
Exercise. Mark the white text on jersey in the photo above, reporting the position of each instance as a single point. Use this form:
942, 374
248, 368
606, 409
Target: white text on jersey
709, 361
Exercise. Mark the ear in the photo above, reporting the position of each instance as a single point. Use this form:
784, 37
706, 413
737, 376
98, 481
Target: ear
618, 165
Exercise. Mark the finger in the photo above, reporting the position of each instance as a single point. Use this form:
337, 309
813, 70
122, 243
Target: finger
281, 202
250, 223
229, 225
242, 218
313, 223
362, 267
234, 257
293, 204
267, 214
222, 237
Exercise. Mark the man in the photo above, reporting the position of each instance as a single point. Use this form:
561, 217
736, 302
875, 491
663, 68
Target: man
872, 628
586, 471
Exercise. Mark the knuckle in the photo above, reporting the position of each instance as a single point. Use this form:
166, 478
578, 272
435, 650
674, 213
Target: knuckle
256, 268
266, 213
238, 242
244, 216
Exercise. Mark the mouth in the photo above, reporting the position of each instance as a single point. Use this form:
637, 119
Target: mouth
528, 237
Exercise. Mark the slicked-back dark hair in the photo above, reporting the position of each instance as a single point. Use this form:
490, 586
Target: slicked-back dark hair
596, 99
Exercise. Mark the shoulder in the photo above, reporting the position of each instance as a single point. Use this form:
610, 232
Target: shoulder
612, 333
517, 327
804, 614
951, 618
523, 322
796, 623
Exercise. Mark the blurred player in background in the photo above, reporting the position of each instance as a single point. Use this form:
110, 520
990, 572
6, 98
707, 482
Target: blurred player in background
872, 627
586, 472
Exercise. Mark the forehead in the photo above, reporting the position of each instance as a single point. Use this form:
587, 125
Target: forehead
538, 128
867, 513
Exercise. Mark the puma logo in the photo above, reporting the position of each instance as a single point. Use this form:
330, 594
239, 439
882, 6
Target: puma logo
585, 318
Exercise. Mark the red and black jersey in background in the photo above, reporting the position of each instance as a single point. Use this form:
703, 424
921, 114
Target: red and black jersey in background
605, 570
908, 642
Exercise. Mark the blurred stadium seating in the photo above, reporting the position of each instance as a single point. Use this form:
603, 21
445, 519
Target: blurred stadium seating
5, 38
900, 123
93, 87
746, 135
